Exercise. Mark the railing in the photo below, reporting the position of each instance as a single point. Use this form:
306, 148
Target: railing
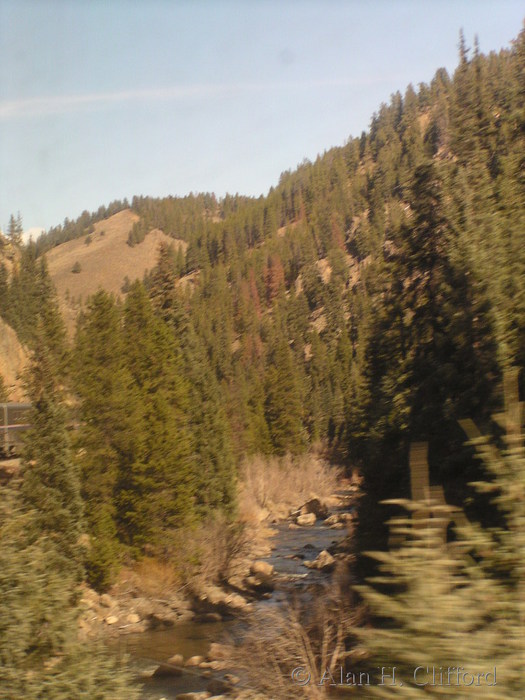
13, 423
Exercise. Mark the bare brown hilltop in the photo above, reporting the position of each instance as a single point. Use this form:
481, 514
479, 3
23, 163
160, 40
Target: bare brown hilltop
102, 260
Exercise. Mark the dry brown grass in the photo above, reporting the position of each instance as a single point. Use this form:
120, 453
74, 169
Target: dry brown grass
151, 578
270, 483
13, 361
104, 263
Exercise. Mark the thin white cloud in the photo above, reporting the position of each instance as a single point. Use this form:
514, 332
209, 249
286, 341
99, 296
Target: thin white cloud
58, 104
37, 106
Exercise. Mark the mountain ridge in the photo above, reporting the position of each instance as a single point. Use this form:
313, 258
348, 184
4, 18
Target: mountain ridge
102, 259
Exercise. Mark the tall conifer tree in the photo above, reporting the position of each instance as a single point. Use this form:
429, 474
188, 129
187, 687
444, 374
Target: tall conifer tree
158, 491
108, 433
51, 484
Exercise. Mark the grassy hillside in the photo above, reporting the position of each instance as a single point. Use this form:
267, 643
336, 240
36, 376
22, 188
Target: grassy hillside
103, 259
13, 361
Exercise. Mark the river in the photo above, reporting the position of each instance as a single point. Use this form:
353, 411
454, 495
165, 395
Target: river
148, 649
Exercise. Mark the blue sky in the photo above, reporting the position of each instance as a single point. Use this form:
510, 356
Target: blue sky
101, 100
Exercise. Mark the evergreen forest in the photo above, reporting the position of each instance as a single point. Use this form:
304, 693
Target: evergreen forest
375, 297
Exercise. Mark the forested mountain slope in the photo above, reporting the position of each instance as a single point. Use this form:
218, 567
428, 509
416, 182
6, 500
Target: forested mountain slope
373, 298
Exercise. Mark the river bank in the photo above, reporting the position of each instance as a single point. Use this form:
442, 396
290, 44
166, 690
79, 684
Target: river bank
126, 610
192, 658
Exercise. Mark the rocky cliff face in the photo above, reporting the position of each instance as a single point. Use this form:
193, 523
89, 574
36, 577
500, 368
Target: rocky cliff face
13, 360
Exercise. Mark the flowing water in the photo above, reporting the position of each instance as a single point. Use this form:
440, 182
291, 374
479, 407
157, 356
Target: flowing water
148, 649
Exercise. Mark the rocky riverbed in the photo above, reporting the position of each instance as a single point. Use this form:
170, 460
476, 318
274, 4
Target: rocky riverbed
128, 612
179, 653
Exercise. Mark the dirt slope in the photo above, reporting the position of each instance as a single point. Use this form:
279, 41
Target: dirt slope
13, 360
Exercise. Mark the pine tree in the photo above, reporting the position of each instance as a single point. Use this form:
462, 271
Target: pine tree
429, 321
215, 479
24, 304
108, 432
40, 655
320, 408
4, 291
216, 475
50, 322
15, 229
433, 607
32, 308
41, 565
283, 407
460, 603
157, 492
51, 483
162, 288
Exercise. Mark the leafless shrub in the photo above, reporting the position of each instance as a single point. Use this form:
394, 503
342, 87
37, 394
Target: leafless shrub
207, 552
267, 482
215, 547
296, 648
204, 554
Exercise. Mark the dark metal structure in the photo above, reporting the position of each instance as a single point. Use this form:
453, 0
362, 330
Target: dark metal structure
13, 423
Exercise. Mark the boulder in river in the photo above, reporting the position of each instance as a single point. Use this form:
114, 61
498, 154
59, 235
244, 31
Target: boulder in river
215, 599
236, 602
106, 600
337, 521
324, 562
315, 506
194, 661
259, 585
213, 595
261, 576
347, 517
172, 667
306, 520
261, 569
218, 652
